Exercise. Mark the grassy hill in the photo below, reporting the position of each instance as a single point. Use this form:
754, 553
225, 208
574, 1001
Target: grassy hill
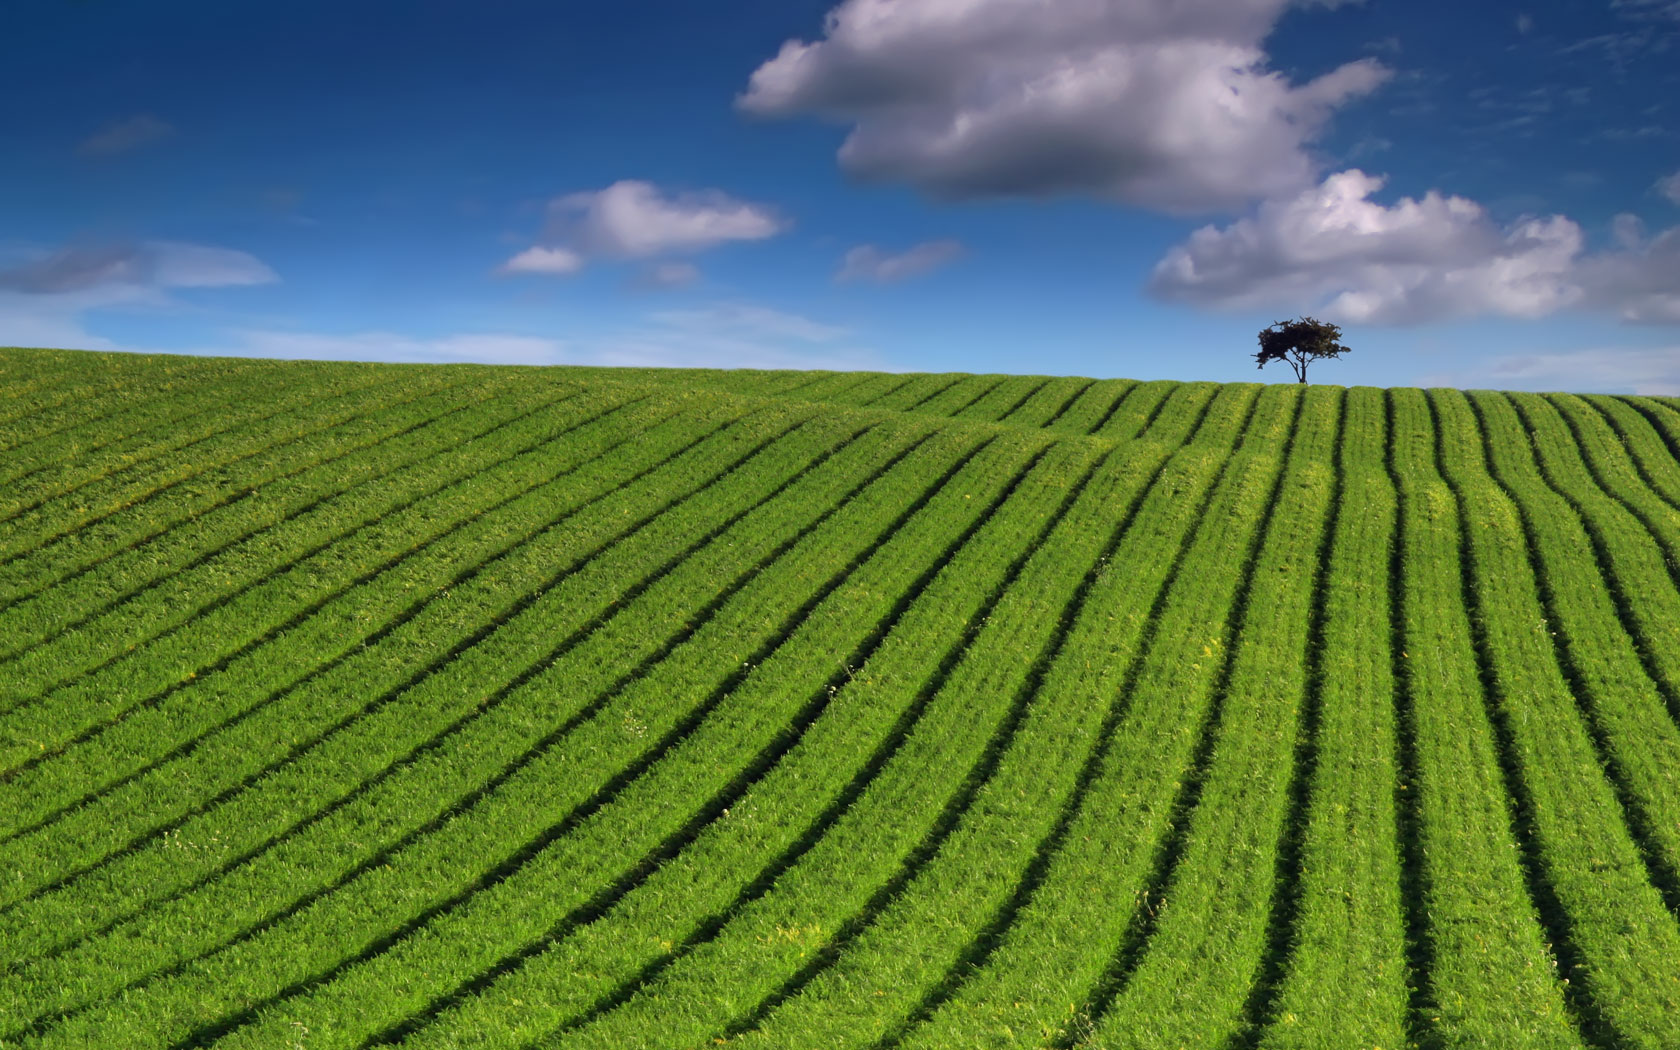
349, 705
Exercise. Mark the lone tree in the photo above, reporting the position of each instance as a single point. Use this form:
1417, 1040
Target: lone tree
1300, 343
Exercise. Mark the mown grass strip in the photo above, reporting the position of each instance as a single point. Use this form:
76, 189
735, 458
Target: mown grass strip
1048, 404
180, 506
232, 434
92, 393
1613, 935
1130, 416
166, 418
1003, 985
65, 585
625, 482
1201, 956
428, 708
954, 399
1087, 411
146, 644
920, 389
1491, 977
1003, 399
491, 723
883, 708
837, 724
829, 897
1606, 610
365, 904
1345, 979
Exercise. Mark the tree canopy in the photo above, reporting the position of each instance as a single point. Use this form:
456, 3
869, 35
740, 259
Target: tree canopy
1299, 342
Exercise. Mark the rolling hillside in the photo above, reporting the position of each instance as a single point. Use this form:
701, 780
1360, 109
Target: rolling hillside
347, 705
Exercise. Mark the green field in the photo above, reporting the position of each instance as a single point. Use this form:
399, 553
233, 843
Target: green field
354, 705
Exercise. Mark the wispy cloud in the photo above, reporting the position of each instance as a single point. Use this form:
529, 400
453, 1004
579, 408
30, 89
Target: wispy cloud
1611, 370
866, 262
668, 275
719, 335
1669, 186
143, 265
125, 136
478, 347
45, 298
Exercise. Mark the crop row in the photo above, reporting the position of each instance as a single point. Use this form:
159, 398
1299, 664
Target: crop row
560, 787
968, 721
168, 529
144, 644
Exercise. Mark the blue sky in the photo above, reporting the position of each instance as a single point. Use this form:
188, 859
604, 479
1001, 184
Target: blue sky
1481, 194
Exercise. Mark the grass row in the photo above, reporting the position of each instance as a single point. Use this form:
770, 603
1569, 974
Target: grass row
143, 646
558, 790
1346, 972
1607, 920
168, 530
558, 523
957, 712
1153, 678
268, 809
1489, 974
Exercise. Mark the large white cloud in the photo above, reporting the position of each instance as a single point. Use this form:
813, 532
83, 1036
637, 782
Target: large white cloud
632, 219
1167, 104
1334, 251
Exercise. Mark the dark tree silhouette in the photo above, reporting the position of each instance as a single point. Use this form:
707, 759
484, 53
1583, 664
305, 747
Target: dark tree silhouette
1300, 343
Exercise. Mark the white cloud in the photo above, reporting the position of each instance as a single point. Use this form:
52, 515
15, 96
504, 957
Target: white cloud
1164, 105
1641, 283
1669, 187
1525, 24
1654, 371
544, 260
632, 219
1333, 250
125, 136
866, 262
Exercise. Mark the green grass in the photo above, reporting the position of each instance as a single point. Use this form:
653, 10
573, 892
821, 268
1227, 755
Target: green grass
351, 705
